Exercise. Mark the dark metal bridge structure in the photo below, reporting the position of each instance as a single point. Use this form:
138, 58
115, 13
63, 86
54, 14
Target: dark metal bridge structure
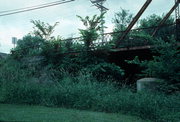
127, 44
132, 39
136, 38
138, 42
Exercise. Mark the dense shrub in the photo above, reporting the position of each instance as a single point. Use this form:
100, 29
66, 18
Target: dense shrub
164, 66
28, 46
75, 62
106, 71
53, 51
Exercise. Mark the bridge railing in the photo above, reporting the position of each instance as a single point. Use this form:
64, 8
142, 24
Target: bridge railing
136, 37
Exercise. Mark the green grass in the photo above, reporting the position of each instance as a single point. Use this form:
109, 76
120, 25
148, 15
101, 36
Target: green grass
9, 112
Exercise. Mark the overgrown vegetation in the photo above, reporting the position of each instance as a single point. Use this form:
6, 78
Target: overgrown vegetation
45, 70
84, 92
165, 66
142, 33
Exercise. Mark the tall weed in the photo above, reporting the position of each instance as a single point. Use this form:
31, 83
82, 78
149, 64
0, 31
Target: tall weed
84, 92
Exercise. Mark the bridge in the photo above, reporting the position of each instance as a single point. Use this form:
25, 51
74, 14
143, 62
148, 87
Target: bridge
132, 39
127, 44
136, 38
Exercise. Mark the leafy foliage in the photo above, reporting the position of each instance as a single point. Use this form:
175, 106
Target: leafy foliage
75, 63
122, 19
93, 25
154, 20
165, 66
28, 46
166, 30
81, 88
106, 71
141, 36
53, 51
43, 30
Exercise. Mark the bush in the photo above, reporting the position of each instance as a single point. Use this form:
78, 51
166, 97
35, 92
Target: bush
53, 51
165, 66
74, 63
28, 46
106, 71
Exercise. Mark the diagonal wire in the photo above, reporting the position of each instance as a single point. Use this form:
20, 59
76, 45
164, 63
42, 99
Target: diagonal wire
7, 11
16, 11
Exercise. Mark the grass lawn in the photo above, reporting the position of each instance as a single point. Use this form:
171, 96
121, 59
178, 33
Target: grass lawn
21, 113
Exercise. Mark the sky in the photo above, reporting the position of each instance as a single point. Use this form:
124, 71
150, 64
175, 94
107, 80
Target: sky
19, 25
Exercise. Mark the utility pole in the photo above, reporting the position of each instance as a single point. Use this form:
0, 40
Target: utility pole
99, 5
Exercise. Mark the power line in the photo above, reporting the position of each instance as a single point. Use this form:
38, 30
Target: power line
7, 11
16, 11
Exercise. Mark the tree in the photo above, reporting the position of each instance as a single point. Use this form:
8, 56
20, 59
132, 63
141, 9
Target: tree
28, 46
152, 21
93, 25
35, 43
122, 19
43, 30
